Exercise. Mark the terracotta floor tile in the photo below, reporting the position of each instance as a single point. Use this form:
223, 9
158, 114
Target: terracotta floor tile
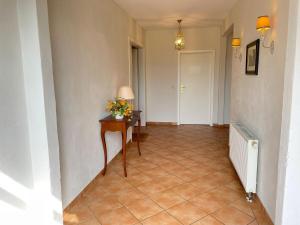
184, 169
208, 203
151, 187
166, 199
232, 216
131, 196
171, 166
138, 179
227, 195
120, 216
120, 171
162, 218
78, 215
244, 206
105, 205
143, 208
168, 181
186, 213
186, 190
235, 185
145, 166
204, 185
208, 220
155, 172
91, 222
187, 175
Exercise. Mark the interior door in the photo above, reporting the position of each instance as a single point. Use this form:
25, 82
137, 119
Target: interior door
196, 78
135, 78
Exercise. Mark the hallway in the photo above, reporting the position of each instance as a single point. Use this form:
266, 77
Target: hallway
184, 176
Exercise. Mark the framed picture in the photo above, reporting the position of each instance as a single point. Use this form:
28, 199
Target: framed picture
252, 58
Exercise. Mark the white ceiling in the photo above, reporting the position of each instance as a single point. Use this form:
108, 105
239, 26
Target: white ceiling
164, 13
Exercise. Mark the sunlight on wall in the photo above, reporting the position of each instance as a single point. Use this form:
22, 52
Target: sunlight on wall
19, 204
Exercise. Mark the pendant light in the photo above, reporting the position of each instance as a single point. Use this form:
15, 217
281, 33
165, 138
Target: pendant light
179, 41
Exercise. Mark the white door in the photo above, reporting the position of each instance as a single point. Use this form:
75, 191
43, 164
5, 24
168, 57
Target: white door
195, 87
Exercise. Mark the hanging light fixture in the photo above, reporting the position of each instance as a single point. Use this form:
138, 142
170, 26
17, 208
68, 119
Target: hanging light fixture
179, 41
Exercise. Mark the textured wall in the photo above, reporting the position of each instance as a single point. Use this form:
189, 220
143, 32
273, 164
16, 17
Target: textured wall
90, 42
256, 101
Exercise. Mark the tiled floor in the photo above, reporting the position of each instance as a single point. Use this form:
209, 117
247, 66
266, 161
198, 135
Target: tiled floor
184, 176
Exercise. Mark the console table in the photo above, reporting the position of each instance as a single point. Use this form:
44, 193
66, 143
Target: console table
109, 123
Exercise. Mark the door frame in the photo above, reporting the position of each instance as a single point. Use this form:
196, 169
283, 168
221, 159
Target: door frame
211, 82
132, 43
142, 69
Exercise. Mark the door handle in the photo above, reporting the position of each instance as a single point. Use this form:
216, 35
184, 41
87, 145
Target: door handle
182, 87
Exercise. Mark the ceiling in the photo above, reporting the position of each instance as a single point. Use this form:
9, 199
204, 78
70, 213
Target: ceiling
164, 13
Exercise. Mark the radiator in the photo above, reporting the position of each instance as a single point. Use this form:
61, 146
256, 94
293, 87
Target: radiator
244, 155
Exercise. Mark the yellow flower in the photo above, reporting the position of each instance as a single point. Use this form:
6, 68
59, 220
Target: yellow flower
122, 102
109, 105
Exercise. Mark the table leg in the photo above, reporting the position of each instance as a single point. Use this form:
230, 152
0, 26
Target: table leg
138, 135
124, 139
104, 150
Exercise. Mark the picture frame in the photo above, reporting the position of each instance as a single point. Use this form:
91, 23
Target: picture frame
252, 58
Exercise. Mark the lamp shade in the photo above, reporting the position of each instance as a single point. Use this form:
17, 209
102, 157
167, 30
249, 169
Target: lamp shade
126, 92
236, 42
263, 23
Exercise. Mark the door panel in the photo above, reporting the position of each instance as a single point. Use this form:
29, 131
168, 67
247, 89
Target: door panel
195, 87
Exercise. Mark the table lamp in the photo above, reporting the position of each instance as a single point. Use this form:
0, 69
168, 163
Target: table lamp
125, 92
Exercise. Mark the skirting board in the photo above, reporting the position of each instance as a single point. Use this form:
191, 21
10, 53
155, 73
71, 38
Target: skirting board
81, 194
260, 212
221, 125
88, 187
161, 124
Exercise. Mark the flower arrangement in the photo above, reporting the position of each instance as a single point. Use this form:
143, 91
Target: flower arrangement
119, 108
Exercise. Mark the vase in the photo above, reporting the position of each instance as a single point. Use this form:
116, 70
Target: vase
119, 117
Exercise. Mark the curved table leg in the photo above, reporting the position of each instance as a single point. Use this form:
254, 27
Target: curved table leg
105, 151
138, 136
124, 139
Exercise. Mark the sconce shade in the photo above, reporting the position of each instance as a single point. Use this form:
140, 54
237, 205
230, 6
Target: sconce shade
126, 92
236, 42
263, 23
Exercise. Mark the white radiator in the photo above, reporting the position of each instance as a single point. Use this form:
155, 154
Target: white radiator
244, 155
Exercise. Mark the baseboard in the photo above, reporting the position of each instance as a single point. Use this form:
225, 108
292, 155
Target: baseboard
175, 124
260, 212
221, 125
161, 124
88, 187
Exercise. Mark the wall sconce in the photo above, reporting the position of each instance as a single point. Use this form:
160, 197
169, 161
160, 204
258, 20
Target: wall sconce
236, 45
263, 25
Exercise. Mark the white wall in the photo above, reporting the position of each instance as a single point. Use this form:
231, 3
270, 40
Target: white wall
288, 203
15, 160
29, 164
162, 70
228, 71
90, 45
257, 100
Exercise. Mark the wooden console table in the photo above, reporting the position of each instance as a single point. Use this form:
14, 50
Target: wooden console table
109, 123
